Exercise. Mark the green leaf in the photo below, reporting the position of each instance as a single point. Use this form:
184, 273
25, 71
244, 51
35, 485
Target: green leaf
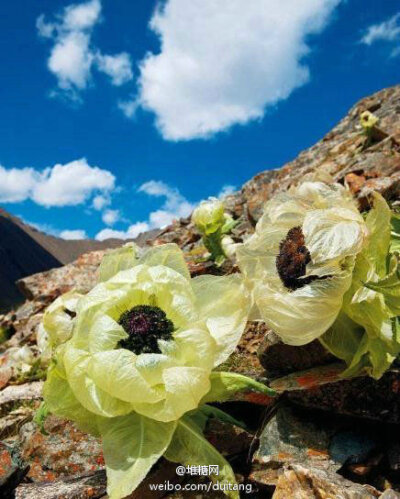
213, 243
229, 224
376, 354
389, 287
343, 338
378, 222
116, 260
131, 445
395, 233
359, 361
213, 412
224, 385
189, 447
41, 416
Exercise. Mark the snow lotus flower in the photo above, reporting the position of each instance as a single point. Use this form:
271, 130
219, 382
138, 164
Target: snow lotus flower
300, 260
213, 224
209, 216
57, 323
368, 120
138, 368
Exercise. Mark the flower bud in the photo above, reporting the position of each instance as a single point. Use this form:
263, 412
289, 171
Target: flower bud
209, 216
22, 358
368, 120
229, 246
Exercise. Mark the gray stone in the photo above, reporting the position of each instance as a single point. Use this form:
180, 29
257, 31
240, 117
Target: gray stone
301, 482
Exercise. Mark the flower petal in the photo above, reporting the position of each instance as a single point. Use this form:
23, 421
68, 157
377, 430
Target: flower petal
92, 397
333, 233
195, 347
184, 388
168, 255
116, 260
114, 372
62, 402
225, 303
305, 314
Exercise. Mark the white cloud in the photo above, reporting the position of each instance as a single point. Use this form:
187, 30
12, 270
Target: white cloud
388, 31
71, 184
128, 107
174, 206
117, 67
73, 55
101, 201
17, 184
82, 16
61, 185
71, 61
223, 63
226, 190
110, 217
133, 231
73, 234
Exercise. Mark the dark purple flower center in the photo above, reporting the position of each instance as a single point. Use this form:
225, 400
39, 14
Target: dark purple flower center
292, 260
145, 325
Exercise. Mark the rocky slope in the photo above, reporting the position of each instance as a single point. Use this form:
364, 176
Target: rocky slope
322, 438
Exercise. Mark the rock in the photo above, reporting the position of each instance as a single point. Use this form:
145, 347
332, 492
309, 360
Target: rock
362, 396
295, 436
351, 447
80, 275
245, 360
12, 470
12, 422
227, 438
390, 494
87, 487
303, 482
279, 359
309, 379
393, 454
19, 393
64, 451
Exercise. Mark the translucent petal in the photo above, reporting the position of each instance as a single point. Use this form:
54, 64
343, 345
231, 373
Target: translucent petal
115, 373
225, 303
257, 256
305, 314
378, 223
184, 388
195, 347
151, 366
168, 255
92, 397
333, 233
61, 401
104, 334
116, 260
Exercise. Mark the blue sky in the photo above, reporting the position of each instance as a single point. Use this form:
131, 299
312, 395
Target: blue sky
117, 116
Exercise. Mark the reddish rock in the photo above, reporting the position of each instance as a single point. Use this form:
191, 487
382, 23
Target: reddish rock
12, 470
64, 451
